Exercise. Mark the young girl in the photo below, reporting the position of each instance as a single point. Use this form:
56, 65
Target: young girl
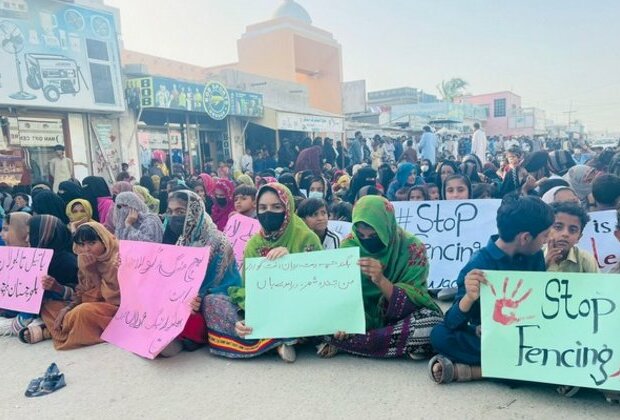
97, 295
456, 187
433, 192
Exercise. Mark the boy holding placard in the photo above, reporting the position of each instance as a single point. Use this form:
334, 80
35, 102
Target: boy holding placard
561, 253
523, 225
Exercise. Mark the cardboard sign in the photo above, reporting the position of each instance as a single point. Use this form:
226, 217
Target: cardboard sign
21, 270
306, 294
239, 230
599, 240
157, 283
558, 328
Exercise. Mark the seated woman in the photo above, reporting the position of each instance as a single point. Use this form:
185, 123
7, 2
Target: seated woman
313, 211
151, 202
400, 313
49, 232
134, 222
97, 295
79, 211
98, 194
223, 194
15, 229
46, 202
188, 224
282, 233
406, 177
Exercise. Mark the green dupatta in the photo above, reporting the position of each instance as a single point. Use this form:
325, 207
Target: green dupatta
403, 259
294, 235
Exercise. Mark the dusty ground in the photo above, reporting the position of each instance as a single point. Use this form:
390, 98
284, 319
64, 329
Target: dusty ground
106, 382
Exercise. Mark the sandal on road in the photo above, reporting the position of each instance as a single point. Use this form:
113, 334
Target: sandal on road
326, 351
450, 372
52, 381
567, 390
36, 334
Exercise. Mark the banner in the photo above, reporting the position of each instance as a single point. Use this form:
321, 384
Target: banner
304, 295
239, 230
599, 240
558, 328
21, 270
158, 283
451, 230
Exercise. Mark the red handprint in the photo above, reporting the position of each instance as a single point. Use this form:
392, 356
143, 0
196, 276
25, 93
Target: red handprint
504, 302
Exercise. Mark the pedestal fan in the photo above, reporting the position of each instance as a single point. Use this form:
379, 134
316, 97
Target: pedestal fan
13, 43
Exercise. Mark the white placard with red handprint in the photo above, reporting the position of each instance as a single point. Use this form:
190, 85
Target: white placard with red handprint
559, 328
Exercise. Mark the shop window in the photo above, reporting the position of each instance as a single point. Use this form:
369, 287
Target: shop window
499, 108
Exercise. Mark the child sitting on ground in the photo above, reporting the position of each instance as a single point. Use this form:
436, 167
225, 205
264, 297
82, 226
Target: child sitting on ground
561, 253
523, 224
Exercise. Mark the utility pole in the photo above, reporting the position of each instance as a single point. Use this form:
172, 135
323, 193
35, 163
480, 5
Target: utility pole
570, 113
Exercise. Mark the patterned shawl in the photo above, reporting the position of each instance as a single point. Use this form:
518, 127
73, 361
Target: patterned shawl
151, 202
404, 258
148, 227
200, 231
294, 235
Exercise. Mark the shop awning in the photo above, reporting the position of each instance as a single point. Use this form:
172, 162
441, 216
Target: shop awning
309, 120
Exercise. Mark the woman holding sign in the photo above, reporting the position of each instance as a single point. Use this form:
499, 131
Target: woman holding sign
97, 295
400, 313
282, 232
188, 224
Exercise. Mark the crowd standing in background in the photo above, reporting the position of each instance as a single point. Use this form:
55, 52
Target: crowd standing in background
547, 187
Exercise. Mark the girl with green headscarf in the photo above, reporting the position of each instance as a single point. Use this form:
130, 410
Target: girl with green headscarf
282, 232
400, 313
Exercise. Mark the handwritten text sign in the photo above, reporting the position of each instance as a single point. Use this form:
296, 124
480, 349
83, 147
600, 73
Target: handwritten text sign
21, 270
239, 230
304, 295
598, 239
157, 283
557, 328
340, 228
451, 230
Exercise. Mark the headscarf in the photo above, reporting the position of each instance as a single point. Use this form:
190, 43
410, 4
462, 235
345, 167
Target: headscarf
148, 227
121, 186
151, 202
580, 177
288, 180
199, 231
147, 183
77, 216
536, 161
208, 182
560, 161
46, 202
49, 232
156, 182
220, 214
549, 196
69, 191
364, 176
95, 187
101, 283
400, 181
403, 258
294, 235
513, 180
245, 179
19, 223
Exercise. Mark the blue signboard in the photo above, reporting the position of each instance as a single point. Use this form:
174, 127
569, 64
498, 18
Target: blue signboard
59, 55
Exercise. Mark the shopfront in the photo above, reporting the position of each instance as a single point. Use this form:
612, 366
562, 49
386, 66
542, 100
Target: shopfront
60, 71
185, 123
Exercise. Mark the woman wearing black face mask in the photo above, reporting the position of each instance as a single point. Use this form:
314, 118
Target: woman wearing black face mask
224, 204
400, 313
282, 232
188, 224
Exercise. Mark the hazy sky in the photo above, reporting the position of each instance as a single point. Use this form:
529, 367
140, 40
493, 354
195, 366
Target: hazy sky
551, 52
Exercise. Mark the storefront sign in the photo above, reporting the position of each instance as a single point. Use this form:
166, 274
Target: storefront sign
212, 99
310, 123
158, 139
59, 55
39, 132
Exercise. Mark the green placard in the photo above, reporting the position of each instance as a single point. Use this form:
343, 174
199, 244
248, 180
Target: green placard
304, 295
558, 328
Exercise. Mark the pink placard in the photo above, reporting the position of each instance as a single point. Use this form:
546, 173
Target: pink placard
157, 284
239, 230
21, 270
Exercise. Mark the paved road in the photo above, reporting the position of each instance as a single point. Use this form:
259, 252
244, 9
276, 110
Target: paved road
107, 382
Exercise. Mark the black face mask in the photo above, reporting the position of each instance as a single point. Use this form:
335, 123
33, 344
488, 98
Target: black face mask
176, 224
271, 221
372, 244
221, 201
